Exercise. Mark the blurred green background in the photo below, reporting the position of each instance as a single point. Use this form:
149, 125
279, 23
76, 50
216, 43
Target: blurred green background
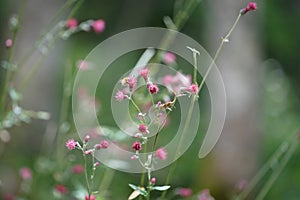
275, 24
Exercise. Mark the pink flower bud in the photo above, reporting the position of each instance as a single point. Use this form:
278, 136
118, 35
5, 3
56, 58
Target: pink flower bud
71, 23
98, 25
8, 43
87, 138
153, 181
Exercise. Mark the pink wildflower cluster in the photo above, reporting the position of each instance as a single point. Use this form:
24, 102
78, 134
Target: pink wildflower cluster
161, 153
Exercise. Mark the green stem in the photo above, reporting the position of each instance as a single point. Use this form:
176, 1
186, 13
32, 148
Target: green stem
225, 39
86, 173
267, 186
106, 180
282, 150
7, 73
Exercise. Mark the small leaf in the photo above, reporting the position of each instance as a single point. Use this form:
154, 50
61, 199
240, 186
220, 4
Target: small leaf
161, 188
141, 190
134, 195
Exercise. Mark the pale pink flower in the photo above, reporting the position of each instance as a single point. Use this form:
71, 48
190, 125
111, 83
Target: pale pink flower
96, 164
161, 153
8, 43
131, 82
169, 58
71, 144
144, 73
87, 138
120, 96
104, 144
205, 195
184, 192
71, 23
98, 25
25, 173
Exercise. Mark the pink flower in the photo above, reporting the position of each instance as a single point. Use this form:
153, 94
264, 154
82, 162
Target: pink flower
250, 6
71, 23
98, 146
92, 197
61, 189
88, 152
184, 192
131, 82
205, 195
77, 169
96, 164
71, 144
87, 138
144, 73
8, 43
104, 144
169, 58
120, 96
152, 88
98, 25
193, 88
25, 173
143, 128
161, 153
153, 180
137, 146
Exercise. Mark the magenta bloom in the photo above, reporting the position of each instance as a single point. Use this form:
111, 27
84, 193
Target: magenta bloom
143, 128
71, 23
193, 88
92, 197
61, 189
250, 6
104, 144
87, 138
144, 73
71, 144
77, 169
8, 43
88, 152
169, 57
153, 88
137, 146
184, 192
25, 173
161, 153
98, 25
153, 180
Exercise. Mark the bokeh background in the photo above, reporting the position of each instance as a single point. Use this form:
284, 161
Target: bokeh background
260, 67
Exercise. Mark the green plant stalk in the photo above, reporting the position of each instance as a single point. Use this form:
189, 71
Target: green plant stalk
267, 186
7, 73
86, 173
266, 167
225, 39
107, 179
